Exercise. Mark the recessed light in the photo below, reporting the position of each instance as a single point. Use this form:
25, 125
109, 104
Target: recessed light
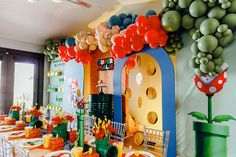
58, 1
33, 1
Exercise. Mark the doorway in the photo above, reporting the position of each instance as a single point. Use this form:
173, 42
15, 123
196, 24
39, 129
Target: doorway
21, 78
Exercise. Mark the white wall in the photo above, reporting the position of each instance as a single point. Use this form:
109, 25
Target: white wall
19, 45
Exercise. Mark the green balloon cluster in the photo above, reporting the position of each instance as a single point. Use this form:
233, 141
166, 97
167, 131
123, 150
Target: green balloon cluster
210, 23
50, 49
174, 43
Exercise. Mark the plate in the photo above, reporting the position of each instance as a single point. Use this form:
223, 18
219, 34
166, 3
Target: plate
92, 142
146, 154
6, 127
31, 143
60, 153
16, 134
2, 122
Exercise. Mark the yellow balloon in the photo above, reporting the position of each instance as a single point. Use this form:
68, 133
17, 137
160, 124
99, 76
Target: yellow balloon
83, 46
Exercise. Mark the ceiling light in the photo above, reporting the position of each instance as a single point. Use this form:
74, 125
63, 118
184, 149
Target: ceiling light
58, 1
33, 1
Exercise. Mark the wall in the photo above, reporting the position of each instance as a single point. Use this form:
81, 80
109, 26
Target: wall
190, 99
19, 45
95, 76
148, 105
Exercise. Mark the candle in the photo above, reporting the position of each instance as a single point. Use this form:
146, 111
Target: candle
119, 146
47, 139
27, 118
27, 131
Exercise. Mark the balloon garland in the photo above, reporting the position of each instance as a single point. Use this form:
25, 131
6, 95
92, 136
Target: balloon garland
51, 49
146, 30
210, 23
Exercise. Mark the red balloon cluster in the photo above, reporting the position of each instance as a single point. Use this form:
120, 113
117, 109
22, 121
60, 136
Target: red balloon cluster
130, 62
69, 53
146, 30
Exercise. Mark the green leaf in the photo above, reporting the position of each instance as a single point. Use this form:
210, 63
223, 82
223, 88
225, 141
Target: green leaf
198, 115
222, 118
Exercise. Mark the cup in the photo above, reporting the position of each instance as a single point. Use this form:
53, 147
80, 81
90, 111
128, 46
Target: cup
27, 131
119, 146
77, 151
46, 140
27, 118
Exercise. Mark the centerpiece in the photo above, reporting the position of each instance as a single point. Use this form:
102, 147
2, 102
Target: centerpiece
15, 112
34, 118
60, 122
102, 130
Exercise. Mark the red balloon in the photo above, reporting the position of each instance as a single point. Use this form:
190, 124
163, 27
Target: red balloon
154, 22
62, 49
113, 54
141, 31
132, 27
71, 52
151, 36
117, 40
131, 64
141, 21
133, 57
137, 46
153, 45
120, 55
128, 33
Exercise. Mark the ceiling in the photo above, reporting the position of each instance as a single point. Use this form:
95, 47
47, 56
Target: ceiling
36, 22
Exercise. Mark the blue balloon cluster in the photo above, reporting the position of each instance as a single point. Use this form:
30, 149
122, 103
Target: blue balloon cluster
70, 42
122, 20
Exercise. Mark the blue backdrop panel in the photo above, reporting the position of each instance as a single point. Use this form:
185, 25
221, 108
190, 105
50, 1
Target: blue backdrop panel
168, 93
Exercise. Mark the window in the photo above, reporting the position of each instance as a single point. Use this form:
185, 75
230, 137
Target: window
21, 78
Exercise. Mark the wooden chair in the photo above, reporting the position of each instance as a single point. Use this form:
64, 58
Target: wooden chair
156, 141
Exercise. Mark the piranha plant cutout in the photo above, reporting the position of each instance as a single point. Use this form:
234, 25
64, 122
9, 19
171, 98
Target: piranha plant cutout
211, 140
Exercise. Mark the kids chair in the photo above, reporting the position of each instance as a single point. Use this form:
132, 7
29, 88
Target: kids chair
156, 141
88, 124
120, 131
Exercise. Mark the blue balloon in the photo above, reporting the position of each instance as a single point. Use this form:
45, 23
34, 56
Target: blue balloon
122, 27
130, 15
70, 42
122, 16
151, 12
127, 21
114, 20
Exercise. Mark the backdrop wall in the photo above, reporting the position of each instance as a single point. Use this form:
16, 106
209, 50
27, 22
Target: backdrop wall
189, 99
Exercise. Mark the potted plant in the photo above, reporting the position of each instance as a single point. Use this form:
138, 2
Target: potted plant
102, 130
60, 123
15, 112
211, 139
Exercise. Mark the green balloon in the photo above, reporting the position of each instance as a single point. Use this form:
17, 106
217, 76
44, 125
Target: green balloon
219, 61
218, 52
207, 43
198, 21
222, 28
194, 48
226, 40
209, 26
230, 20
193, 64
187, 21
198, 71
232, 8
198, 8
184, 3
171, 21
216, 12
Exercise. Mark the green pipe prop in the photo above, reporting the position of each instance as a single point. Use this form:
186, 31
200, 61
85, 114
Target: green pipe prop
14, 114
80, 128
104, 149
209, 96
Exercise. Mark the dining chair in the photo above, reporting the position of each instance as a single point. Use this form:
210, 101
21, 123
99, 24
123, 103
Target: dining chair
156, 141
120, 131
